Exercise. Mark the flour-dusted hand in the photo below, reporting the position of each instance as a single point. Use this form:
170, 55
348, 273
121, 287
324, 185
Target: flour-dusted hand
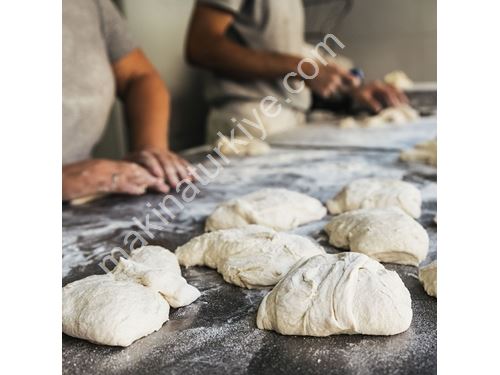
164, 164
106, 176
377, 95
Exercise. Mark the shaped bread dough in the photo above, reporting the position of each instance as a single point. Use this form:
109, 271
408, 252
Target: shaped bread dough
279, 209
105, 311
333, 294
250, 257
428, 278
243, 146
158, 268
130, 302
377, 193
386, 234
425, 152
399, 79
400, 115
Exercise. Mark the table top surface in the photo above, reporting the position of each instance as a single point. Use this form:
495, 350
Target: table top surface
217, 333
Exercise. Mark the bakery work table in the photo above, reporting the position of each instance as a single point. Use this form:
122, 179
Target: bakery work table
217, 333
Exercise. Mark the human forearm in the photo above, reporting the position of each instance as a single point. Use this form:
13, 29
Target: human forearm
230, 59
147, 108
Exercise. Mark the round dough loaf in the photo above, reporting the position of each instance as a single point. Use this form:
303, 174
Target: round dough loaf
131, 302
425, 152
428, 278
377, 193
345, 293
242, 146
105, 311
385, 234
250, 257
276, 208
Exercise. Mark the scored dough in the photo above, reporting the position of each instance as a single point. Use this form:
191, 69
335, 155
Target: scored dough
280, 209
250, 257
242, 146
428, 278
330, 294
129, 303
425, 152
377, 193
386, 234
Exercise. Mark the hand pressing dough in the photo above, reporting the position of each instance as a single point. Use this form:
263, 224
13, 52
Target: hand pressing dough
243, 146
129, 303
398, 79
250, 257
400, 115
428, 278
333, 294
425, 152
377, 193
385, 234
279, 209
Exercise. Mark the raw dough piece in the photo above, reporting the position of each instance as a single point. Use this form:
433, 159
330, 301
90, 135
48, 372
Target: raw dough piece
428, 278
400, 115
386, 234
130, 302
331, 294
250, 257
158, 268
105, 311
398, 79
425, 152
280, 209
377, 193
242, 146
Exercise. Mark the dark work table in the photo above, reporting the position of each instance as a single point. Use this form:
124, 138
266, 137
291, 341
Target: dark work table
217, 333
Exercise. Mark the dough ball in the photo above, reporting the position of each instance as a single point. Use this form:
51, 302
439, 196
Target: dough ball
158, 268
428, 278
131, 302
329, 294
105, 311
398, 79
377, 193
279, 209
425, 152
348, 122
386, 234
243, 146
249, 257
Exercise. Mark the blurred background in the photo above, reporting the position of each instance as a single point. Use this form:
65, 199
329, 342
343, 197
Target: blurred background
380, 36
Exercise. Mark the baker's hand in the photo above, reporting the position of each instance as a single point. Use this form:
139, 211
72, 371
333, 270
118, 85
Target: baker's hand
377, 95
330, 79
163, 164
95, 176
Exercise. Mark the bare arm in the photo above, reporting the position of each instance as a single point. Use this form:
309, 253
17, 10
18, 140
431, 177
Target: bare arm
209, 47
147, 107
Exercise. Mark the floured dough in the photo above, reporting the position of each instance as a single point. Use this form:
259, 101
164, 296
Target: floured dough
276, 208
386, 234
399, 79
428, 278
329, 294
243, 146
250, 257
377, 193
129, 303
400, 115
425, 152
